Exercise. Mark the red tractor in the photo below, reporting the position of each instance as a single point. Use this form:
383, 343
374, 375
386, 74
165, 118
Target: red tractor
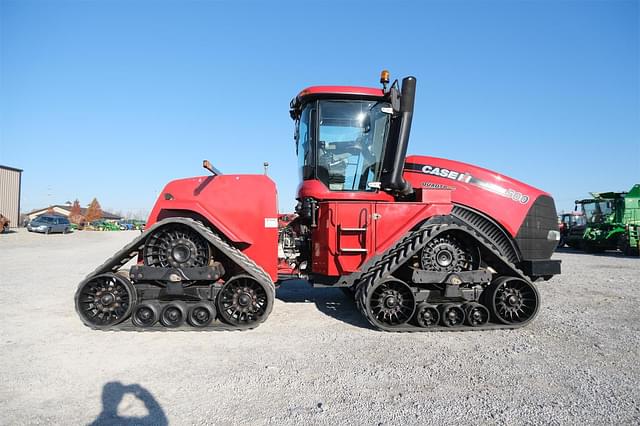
423, 243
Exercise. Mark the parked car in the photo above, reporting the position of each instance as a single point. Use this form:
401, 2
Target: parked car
48, 224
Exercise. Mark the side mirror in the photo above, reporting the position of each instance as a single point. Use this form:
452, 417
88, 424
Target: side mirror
395, 100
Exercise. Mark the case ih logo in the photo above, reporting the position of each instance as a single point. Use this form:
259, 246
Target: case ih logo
439, 171
446, 173
467, 178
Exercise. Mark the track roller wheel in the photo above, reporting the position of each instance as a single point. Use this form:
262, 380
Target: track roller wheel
201, 314
512, 300
173, 315
145, 315
105, 300
244, 300
427, 315
476, 314
390, 303
451, 315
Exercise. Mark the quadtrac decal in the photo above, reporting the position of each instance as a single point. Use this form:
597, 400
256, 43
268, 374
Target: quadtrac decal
270, 222
433, 185
466, 178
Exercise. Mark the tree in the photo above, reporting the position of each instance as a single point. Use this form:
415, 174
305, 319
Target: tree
75, 215
94, 211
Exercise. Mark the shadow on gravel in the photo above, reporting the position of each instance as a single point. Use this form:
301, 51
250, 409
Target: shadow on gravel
114, 392
610, 253
332, 302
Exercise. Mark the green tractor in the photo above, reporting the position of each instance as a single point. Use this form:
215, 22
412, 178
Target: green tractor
612, 222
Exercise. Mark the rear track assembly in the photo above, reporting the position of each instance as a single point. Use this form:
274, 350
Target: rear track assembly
509, 301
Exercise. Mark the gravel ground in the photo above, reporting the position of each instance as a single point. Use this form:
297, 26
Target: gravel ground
315, 360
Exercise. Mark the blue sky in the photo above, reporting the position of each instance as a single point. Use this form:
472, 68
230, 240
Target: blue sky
113, 99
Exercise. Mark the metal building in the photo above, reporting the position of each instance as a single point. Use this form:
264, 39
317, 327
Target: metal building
10, 181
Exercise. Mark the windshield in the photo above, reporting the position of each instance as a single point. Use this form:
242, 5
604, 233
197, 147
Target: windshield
596, 211
350, 144
572, 219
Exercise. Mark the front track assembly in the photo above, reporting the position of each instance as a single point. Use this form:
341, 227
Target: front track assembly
395, 292
191, 279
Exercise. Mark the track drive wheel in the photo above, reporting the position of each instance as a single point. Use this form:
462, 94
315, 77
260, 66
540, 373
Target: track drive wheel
512, 300
244, 301
388, 303
450, 253
176, 246
105, 300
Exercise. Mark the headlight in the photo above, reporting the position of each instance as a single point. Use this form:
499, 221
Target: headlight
553, 235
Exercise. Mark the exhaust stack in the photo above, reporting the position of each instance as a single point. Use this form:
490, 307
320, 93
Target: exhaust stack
402, 129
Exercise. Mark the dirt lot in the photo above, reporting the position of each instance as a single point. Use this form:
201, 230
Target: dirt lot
314, 360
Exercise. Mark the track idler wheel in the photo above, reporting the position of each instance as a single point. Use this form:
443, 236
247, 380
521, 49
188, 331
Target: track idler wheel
201, 314
105, 300
244, 301
173, 315
512, 300
476, 315
390, 303
451, 315
427, 315
145, 315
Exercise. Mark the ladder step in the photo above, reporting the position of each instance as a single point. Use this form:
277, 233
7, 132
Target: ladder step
353, 229
353, 250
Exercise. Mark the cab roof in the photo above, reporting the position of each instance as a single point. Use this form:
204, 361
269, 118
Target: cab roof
348, 92
341, 90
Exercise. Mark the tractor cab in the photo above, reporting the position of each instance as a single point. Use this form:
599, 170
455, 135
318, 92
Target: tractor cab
603, 208
340, 143
349, 140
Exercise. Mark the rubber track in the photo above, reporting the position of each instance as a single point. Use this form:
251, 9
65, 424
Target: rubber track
406, 248
131, 250
488, 229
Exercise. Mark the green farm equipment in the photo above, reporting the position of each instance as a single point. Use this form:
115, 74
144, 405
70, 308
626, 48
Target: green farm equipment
612, 222
630, 242
104, 225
